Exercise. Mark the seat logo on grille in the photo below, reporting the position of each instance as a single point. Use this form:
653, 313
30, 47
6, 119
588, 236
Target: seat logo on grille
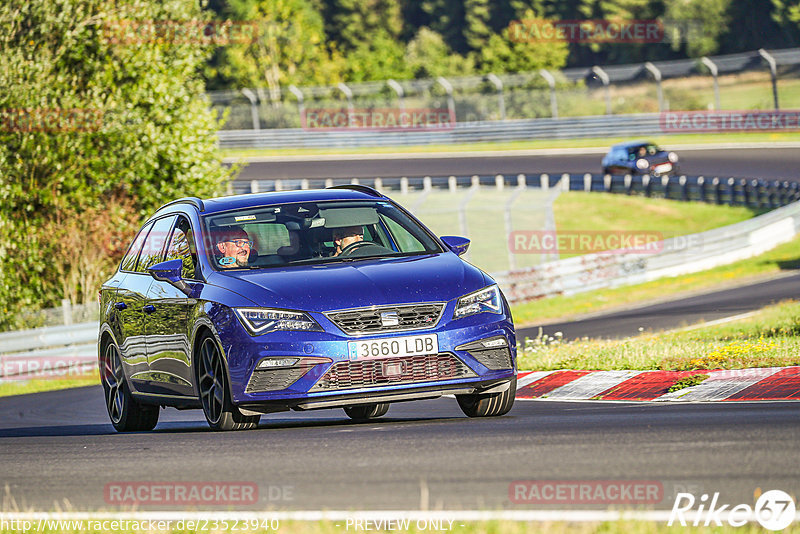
390, 318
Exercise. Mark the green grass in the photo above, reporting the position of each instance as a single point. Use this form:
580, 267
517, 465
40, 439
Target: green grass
578, 211
667, 141
42, 384
687, 382
782, 257
769, 338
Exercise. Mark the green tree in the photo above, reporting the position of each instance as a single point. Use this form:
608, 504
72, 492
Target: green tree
696, 25
428, 56
506, 53
97, 107
290, 47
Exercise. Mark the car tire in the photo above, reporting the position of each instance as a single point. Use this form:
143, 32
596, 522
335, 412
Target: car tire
488, 404
364, 412
125, 413
215, 396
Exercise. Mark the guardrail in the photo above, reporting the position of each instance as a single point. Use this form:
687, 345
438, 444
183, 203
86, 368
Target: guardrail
679, 255
642, 124
69, 350
49, 352
751, 192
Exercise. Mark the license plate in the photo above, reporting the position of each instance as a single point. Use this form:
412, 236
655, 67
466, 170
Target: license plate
393, 347
664, 167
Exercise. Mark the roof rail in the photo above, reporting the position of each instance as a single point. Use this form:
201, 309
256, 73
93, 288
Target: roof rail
358, 187
194, 201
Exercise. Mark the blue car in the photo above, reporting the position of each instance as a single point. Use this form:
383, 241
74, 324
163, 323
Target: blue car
299, 300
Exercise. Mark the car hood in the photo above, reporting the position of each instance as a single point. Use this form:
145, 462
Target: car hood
368, 282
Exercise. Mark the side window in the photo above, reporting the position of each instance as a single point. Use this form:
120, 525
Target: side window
182, 247
405, 240
129, 261
154, 244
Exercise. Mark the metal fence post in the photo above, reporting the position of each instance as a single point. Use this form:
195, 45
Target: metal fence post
652, 69
451, 104
544, 182
251, 96
298, 94
66, 310
501, 102
600, 73
552, 83
714, 73
254, 186
348, 94
773, 71
398, 89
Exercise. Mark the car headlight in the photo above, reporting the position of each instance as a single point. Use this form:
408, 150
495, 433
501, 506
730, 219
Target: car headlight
485, 300
642, 163
263, 320
673, 157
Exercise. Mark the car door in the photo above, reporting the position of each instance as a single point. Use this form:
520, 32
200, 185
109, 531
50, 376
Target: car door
168, 336
138, 309
127, 320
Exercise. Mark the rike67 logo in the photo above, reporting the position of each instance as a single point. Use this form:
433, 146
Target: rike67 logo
774, 510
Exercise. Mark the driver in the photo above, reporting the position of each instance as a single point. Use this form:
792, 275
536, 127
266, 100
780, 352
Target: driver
346, 238
233, 247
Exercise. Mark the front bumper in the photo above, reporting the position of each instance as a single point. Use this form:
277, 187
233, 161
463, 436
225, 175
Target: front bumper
340, 381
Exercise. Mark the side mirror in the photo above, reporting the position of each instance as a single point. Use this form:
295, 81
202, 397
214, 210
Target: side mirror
170, 271
459, 245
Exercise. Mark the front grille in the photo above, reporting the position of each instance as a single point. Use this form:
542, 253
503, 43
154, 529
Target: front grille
493, 358
274, 379
370, 320
383, 371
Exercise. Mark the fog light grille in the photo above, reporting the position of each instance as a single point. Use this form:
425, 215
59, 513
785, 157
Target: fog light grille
493, 358
274, 379
390, 371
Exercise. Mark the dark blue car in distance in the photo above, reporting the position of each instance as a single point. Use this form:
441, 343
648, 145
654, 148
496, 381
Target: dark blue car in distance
333, 298
640, 157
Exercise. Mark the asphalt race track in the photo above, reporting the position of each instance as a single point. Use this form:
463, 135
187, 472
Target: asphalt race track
59, 448
671, 314
767, 163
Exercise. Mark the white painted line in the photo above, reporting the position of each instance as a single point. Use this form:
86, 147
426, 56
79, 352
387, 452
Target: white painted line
721, 384
531, 377
441, 517
591, 385
715, 322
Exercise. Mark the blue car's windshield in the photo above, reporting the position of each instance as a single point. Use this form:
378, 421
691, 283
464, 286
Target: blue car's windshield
312, 232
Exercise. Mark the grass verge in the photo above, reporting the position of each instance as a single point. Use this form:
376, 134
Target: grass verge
667, 141
769, 338
781, 258
38, 385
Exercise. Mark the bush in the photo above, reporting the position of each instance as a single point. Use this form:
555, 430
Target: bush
95, 132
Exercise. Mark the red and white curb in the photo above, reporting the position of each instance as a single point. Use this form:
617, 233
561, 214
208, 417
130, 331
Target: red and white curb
768, 383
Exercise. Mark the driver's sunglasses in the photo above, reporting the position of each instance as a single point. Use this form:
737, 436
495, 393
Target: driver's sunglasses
241, 242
